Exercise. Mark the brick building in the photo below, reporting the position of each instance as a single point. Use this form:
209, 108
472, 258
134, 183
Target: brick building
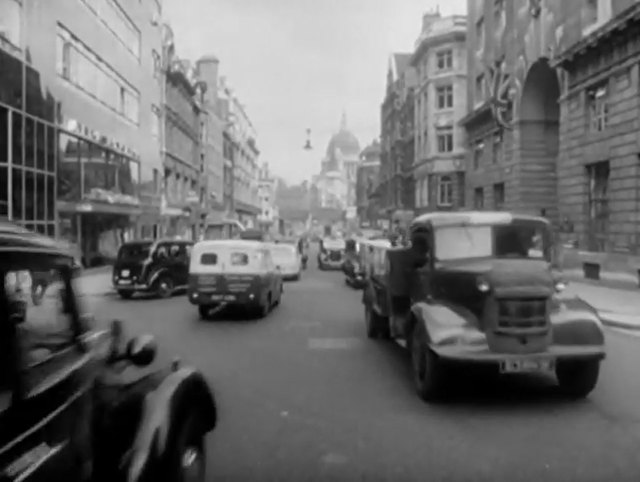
440, 103
396, 139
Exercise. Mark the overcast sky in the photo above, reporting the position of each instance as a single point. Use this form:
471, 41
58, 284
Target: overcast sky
300, 63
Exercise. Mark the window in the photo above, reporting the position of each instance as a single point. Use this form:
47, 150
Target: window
496, 153
239, 259
498, 16
594, 14
10, 22
444, 59
157, 64
445, 191
598, 98
425, 191
598, 204
444, 95
155, 121
478, 198
498, 195
79, 65
118, 22
478, 151
480, 34
209, 259
445, 139
479, 93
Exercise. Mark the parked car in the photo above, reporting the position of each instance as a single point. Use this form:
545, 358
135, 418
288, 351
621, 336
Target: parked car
82, 404
158, 267
352, 268
478, 287
287, 259
233, 273
331, 254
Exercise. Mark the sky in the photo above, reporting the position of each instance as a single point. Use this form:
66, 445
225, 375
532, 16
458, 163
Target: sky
299, 64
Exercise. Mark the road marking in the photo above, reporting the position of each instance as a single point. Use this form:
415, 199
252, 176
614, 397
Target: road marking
334, 343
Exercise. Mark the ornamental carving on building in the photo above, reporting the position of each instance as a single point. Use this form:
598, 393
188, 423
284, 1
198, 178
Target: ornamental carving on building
500, 93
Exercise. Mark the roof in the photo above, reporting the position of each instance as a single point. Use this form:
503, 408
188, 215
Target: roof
18, 239
230, 243
439, 219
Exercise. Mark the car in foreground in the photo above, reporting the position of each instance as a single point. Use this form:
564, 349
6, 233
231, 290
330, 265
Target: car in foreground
479, 288
158, 267
287, 259
81, 403
233, 273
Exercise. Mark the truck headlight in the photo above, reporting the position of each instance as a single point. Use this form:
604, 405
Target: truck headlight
560, 286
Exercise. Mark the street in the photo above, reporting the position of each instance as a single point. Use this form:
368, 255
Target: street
303, 395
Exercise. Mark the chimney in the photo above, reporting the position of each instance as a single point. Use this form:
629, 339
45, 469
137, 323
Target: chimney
429, 18
207, 68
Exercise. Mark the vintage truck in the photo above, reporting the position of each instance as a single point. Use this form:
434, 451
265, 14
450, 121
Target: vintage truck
479, 287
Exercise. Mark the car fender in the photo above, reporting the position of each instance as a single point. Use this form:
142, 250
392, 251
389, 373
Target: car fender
161, 409
156, 274
575, 322
447, 325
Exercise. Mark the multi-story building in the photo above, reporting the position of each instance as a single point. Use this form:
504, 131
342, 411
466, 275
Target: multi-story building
396, 137
267, 184
212, 130
440, 103
243, 153
366, 182
183, 163
78, 127
552, 119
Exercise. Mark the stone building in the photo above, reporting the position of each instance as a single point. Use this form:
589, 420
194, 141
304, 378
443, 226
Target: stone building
366, 183
397, 137
440, 101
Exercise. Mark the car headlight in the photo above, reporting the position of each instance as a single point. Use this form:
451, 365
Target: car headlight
483, 285
560, 286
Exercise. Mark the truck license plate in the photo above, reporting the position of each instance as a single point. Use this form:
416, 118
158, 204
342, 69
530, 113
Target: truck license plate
223, 298
527, 365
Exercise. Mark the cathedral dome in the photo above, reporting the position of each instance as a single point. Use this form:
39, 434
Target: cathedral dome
345, 142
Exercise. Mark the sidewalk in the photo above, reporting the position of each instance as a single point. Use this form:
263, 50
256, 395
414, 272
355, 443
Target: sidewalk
619, 308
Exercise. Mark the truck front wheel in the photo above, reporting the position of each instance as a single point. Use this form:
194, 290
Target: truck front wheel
578, 378
428, 374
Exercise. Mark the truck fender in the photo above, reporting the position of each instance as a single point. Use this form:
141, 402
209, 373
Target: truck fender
156, 274
444, 324
576, 322
161, 408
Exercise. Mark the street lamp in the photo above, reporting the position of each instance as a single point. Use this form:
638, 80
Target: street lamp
307, 145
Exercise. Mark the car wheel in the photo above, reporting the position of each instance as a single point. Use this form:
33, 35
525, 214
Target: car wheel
204, 311
187, 459
264, 308
427, 371
578, 378
125, 295
164, 287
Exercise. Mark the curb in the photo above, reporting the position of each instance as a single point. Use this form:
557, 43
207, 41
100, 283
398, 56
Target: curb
609, 319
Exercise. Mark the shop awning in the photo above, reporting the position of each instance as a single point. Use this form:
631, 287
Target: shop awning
98, 207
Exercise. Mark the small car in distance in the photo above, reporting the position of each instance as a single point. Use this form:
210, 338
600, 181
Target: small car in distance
478, 287
159, 267
233, 273
78, 403
332, 253
287, 260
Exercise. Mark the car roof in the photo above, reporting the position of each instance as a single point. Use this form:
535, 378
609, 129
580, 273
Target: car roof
230, 243
441, 219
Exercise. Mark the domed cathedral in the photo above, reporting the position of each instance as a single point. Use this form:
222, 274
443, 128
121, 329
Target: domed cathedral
336, 183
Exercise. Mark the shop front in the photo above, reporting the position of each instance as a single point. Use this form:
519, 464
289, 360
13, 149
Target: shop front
98, 197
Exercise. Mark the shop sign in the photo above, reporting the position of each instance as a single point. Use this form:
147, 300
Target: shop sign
75, 127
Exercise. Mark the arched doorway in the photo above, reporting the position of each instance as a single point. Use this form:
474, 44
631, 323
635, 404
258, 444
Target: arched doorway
539, 125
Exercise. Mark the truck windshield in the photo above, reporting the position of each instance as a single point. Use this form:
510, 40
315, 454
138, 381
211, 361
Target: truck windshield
525, 241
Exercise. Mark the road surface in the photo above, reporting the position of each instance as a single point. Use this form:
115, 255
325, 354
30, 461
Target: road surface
304, 396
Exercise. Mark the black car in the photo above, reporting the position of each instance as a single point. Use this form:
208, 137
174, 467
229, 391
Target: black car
159, 267
79, 404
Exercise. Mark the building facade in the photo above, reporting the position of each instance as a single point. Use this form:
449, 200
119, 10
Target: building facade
396, 156
212, 130
440, 101
552, 122
366, 182
82, 162
267, 185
